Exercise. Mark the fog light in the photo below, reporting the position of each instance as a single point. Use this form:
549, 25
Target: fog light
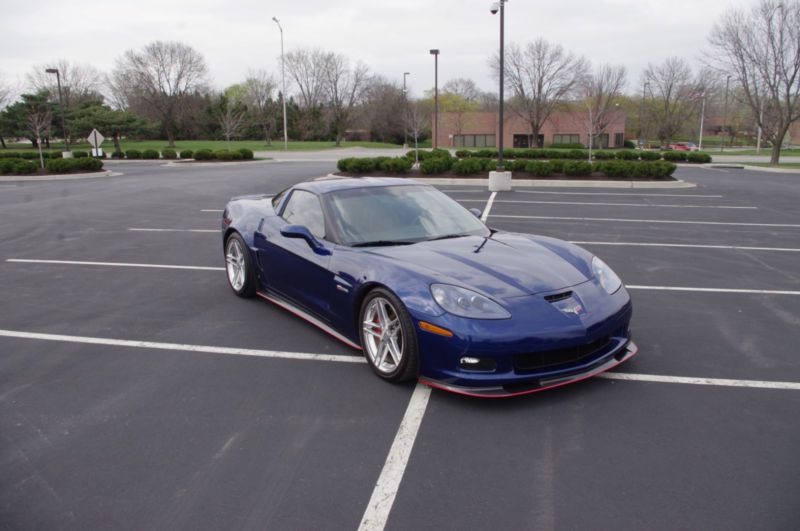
470, 361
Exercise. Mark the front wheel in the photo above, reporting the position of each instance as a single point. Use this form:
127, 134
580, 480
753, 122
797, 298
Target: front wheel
239, 268
388, 337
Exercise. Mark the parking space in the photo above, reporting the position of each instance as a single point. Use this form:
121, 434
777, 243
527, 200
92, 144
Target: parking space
234, 413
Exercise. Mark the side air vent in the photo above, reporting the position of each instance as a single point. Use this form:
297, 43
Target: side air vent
558, 296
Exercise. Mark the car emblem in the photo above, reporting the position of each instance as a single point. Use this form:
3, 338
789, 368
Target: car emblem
570, 306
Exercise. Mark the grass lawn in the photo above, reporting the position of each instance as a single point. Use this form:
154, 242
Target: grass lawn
255, 145
765, 152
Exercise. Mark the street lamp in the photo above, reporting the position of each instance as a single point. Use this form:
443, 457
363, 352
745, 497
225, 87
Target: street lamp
61, 104
702, 119
405, 111
500, 6
435, 54
727, 88
641, 115
283, 91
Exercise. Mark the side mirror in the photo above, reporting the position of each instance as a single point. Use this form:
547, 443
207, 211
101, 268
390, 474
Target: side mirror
301, 231
475, 212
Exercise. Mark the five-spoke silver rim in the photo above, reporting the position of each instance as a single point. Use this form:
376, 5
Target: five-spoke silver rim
235, 265
383, 335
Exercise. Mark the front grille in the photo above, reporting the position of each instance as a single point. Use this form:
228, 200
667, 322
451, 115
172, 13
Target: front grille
551, 358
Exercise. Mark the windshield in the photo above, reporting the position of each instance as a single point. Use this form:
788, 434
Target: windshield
389, 215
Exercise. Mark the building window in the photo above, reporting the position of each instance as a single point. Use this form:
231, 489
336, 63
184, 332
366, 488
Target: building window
469, 141
619, 139
600, 141
566, 139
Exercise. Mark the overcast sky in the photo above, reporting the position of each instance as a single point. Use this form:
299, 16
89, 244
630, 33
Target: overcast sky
390, 36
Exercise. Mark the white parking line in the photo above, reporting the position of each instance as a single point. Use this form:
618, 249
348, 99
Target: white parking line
212, 210
622, 220
174, 230
385, 491
113, 264
690, 246
183, 347
713, 290
488, 207
616, 194
755, 384
723, 207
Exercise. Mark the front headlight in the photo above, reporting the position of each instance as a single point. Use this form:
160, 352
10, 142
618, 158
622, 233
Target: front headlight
608, 279
467, 303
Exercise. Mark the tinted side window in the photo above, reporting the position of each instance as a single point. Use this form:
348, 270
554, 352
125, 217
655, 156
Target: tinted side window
304, 208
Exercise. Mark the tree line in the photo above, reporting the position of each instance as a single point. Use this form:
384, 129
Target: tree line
749, 74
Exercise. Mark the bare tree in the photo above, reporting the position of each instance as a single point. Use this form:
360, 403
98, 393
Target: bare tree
158, 79
261, 87
601, 91
39, 118
464, 87
79, 82
419, 121
540, 76
761, 49
344, 87
307, 69
674, 91
230, 114
383, 110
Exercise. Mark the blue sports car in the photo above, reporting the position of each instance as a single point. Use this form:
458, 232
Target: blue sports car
398, 269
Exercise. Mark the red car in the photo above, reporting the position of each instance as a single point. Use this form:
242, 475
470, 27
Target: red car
684, 146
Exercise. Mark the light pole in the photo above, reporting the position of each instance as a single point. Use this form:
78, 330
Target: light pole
435, 54
61, 104
727, 88
641, 115
405, 111
500, 6
283, 90
702, 121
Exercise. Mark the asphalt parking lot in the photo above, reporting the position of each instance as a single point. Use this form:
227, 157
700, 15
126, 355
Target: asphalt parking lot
138, 396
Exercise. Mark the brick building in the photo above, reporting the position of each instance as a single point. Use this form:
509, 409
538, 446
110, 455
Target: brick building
480, 129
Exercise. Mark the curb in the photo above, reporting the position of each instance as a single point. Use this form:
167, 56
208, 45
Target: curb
554, 183
64, 177
769, 169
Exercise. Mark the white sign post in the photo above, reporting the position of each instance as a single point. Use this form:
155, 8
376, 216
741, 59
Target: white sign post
95, 139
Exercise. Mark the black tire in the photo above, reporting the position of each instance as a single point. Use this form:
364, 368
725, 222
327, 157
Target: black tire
408, 367
248, 286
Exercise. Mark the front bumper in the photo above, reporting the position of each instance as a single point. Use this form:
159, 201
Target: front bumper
620, 353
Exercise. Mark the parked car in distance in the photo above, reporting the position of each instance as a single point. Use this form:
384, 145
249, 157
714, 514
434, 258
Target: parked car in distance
684, 146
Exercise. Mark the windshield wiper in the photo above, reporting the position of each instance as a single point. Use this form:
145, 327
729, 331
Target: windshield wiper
447, 237
382, 243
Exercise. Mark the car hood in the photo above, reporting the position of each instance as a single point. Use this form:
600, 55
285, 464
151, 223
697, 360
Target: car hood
502, 266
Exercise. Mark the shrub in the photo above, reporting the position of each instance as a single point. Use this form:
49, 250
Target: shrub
577, 169
169, 154
675, 156
29, 155
396, 165
247, 154
9, 155
133, 154
617, 168
576, 145
150, 154
698, 158
80, 154
223, 154
16, 165
463, 154
629, 144
628, 155
467, 166
577, 154
539, 168
204, 154
118, 155
434, 165
343, 164
650, 155
558, 165
187, 154
489, 164
79, 164
604, 155
418, 154
486, 153
516, 165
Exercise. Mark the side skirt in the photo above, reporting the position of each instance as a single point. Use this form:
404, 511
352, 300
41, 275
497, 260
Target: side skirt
289, 307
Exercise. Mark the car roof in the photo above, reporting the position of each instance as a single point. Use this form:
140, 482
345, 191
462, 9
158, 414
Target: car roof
324, 185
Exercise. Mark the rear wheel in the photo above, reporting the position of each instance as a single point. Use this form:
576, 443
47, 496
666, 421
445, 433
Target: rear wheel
241, 275
388, 337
